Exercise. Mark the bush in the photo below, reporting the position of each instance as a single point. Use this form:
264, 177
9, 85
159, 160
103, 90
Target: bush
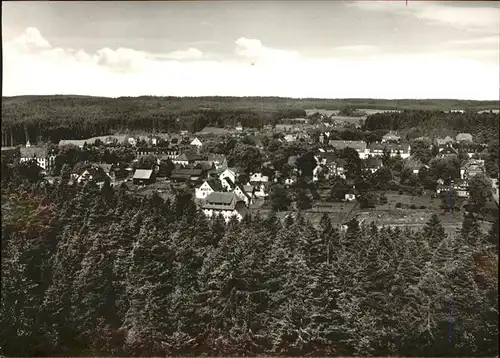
399, 205
413, 206
422, 207
400, 192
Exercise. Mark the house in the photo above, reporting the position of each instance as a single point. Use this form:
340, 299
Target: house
395, 149
337, 168
188, 158
472, 168
219, 160
93, 173
447, 152
441, 142
247, 196
228, 179
461, 188
391, 137
41, 155
186, 174
170, 154
464, 137
290, 138
196, 142
290, 181
143, 177
261, 190
358, 145
144, 152
373, 164
207, 188
225, 204
258, 178
239, 127
349, 197
132, 141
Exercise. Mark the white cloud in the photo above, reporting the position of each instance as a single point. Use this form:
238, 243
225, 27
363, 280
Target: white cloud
255, 50
189, 54
38, 69
471, 19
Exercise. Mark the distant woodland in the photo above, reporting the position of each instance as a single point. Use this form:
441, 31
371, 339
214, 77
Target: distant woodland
52, 118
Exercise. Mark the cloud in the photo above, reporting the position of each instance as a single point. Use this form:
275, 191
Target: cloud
189, 54
255, 50
467, 18
37, 68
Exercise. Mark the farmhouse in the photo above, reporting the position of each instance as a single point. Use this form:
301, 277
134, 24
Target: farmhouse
93, 173
228, 179
357, 145
143, 177
395, 149
186, 174
188, 158
207, 188
247, 196
447, 152
373, 164
472, 168
226, 204
196, 142
391, 137
441, 142
40, 154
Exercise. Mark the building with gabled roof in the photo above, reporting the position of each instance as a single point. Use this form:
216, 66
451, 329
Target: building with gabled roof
357, 145
395, 149
186, 174
391, 137
207, 187
373, 164
226, 204
41, 155
143, 176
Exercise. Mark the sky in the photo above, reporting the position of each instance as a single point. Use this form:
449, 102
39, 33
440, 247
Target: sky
300, 49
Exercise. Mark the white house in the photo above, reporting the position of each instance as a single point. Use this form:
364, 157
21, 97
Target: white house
228, 179
196, 142
316, 171
226, 204
43, 159
207, 188
260, 191
349, 197
290, 138
259, 178
242, 193
239, 127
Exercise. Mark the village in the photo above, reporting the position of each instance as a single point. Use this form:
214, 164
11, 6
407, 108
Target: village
322, 174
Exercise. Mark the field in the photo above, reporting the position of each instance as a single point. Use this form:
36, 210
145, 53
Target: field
383, 215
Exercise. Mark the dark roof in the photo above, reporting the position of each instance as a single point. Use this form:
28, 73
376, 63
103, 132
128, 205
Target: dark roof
373, 162
342, 144
205, 165
229, 181
448, 150
143, 174
34, 152
214, 184
187, 171
220, 200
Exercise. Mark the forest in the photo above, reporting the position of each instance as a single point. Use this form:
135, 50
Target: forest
484, 127
89, 271
52, 118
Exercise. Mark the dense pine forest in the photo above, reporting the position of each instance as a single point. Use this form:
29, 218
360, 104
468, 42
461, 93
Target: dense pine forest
52, 118
89, 271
